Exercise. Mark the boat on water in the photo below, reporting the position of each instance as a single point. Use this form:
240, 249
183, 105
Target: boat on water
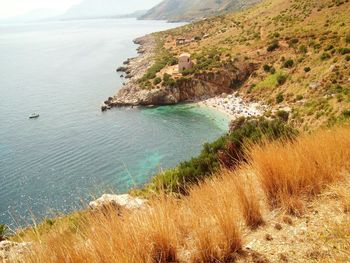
34, 116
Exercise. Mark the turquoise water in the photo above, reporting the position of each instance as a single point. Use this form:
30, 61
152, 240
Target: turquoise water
57, 163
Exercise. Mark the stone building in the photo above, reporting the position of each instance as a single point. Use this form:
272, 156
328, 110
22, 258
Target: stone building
185, 62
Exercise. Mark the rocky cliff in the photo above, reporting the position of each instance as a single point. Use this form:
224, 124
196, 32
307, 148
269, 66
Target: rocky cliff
198, 87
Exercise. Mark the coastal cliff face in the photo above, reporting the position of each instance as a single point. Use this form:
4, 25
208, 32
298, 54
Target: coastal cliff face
198, 87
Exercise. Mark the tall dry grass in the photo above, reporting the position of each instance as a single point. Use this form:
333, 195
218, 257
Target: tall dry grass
290, 172
206, 225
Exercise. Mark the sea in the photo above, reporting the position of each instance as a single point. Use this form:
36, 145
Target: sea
73, 152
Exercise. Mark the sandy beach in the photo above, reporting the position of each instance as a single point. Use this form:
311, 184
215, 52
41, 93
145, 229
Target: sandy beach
234, 106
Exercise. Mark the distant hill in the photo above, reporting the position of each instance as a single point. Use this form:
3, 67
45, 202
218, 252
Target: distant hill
174, 10
106, 8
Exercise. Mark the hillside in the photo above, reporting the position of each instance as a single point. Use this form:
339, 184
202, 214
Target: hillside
292, 56
179, 10
288, 203
275, 187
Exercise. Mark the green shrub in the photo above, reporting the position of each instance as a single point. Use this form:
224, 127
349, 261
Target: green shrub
329, 47
344, 50
325, 56
3, 232
283, 115
303, 49
307, 69
289, 63
273, 46
227, 151
293, 42
281, 79
187, 72
267, 68
166, 77
157, 80
346, 114
347, 58
299, 97
279, 98
272, 70
276, 79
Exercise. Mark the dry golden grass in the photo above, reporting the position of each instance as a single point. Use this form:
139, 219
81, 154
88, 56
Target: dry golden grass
291, 172
208, 224
342, 192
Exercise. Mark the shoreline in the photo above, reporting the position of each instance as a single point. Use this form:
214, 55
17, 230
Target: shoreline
233, 106
132, 70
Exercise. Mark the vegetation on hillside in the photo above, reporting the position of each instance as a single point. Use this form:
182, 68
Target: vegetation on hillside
261, 193
226, 152
3, 232
302, 48
279, 187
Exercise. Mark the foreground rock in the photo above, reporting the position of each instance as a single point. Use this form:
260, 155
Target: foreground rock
13, 251
122, 201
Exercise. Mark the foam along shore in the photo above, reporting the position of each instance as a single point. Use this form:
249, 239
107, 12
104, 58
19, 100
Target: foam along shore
234, 106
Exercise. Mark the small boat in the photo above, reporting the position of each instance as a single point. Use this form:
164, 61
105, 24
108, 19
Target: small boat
34, 116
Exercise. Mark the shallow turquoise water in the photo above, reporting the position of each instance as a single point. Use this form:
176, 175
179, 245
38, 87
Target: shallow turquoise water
56, 163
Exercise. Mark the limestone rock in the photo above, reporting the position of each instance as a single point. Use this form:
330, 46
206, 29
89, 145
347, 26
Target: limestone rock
124, 201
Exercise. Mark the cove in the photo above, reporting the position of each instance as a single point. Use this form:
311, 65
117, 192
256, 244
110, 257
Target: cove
57, 163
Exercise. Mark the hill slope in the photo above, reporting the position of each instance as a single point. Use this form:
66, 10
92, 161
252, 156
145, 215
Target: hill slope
194, 9
300, 51
104, 8
290, 204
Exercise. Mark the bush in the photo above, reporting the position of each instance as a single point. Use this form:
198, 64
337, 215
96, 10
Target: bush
344, 50
347, 58
267, 68
227, 151
346, 113
299, 97
307, 69
168, 81
325, 56
329, 47
281, 79
273, 46
3, 232
283, 115
187, 72
157, 80
293, 42
279, 98
303, 49
289, 63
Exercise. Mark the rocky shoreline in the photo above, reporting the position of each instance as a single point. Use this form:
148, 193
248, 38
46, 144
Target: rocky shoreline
200, 86
133, 69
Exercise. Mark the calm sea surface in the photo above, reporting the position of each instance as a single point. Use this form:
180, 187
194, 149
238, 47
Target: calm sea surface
64, 70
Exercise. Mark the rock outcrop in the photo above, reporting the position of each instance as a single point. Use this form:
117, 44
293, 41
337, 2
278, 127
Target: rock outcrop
185, 89
121, 201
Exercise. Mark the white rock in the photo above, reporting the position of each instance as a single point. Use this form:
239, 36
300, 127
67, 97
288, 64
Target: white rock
126, 201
